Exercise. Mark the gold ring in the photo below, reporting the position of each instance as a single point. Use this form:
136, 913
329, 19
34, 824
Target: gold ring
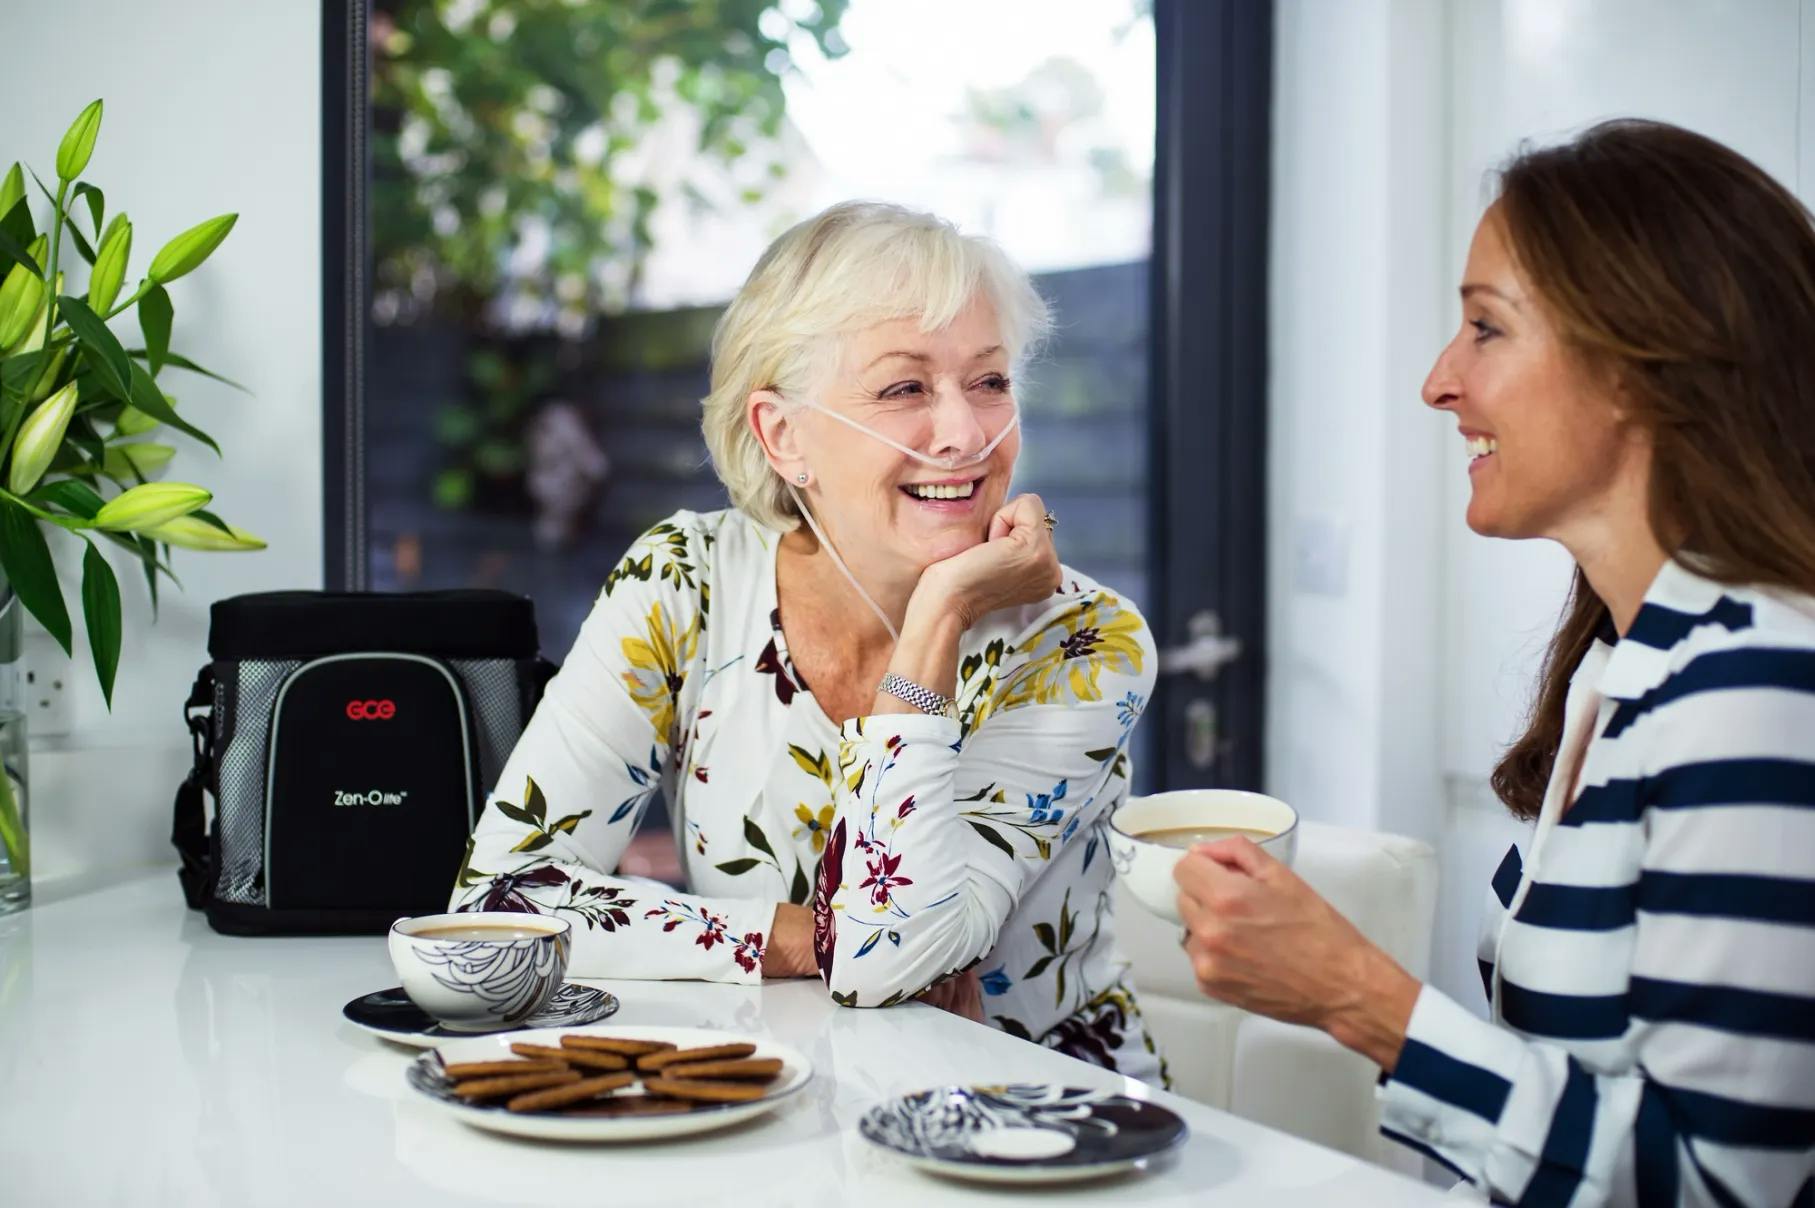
1050, 521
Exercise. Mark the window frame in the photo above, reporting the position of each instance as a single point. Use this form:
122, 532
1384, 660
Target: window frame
1207, 512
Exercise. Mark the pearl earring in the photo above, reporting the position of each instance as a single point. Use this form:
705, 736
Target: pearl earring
801, 478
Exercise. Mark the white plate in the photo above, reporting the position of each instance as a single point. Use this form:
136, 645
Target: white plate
424, 1077
1025, 1133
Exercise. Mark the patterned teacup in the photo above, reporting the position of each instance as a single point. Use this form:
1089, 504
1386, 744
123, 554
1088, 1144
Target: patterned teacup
1149, 835
481, 971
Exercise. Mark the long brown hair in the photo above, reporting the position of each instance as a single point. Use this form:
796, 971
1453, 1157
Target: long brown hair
1689, 273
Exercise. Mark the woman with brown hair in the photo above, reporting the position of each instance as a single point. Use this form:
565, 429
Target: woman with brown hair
1635, 379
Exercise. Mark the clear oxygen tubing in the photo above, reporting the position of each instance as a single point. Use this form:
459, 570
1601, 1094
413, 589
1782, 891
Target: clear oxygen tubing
825, 543
953, 462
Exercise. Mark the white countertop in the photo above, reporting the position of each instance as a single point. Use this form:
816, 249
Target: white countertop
146, 1060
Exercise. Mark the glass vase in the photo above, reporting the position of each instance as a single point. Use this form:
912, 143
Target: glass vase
15, 823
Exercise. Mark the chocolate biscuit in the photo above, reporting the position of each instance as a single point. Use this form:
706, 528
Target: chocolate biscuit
571, 1093
759, 1069
621, 1045
711, 1052
579, 1057
492, 1088
704, 1090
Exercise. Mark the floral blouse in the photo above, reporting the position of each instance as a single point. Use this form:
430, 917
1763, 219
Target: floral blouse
925, 845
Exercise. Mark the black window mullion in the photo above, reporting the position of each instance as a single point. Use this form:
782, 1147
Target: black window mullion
1208, 504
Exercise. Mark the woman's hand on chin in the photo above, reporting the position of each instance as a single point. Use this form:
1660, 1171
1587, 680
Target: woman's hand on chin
1015, 564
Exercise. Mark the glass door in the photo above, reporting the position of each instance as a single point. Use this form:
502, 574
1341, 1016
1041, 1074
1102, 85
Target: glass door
550, 204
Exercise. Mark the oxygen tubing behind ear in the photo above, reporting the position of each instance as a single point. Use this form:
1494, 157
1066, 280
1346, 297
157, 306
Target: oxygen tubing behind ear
826, 542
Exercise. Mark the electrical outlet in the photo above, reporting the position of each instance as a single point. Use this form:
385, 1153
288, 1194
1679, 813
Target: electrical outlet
44, 689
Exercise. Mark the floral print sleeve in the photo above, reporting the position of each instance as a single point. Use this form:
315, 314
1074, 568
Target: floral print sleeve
947, 832
605, 740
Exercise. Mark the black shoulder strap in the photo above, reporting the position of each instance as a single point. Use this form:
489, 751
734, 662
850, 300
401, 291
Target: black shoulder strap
188, 826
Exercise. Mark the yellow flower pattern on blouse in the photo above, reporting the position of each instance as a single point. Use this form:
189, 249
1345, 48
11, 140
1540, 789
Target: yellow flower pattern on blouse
816, 821
657, 667
818, 824
1066, 657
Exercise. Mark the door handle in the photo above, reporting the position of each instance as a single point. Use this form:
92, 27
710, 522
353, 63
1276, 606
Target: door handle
1205, 653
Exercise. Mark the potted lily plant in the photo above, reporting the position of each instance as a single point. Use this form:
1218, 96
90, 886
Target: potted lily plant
79, 411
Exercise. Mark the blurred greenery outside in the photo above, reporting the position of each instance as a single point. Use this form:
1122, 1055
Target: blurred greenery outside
510, 223
498, 195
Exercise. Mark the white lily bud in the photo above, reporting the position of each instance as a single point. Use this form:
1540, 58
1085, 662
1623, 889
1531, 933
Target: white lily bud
151, 504
192, 532
40, 436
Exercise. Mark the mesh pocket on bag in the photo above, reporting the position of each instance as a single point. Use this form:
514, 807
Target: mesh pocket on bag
494, 692
240, 770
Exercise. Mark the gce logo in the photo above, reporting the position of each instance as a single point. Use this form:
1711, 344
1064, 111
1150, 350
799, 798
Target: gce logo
371, 710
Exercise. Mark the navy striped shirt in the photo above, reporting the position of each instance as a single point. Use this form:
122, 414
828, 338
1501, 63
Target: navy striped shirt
1651, 960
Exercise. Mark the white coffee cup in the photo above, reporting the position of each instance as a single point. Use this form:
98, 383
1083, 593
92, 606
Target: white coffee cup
1145, 866
479, 983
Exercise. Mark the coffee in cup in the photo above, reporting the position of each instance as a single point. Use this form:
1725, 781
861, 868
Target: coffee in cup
1187, 837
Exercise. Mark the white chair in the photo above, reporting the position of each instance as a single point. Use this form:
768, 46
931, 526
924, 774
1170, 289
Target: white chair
1288, 1077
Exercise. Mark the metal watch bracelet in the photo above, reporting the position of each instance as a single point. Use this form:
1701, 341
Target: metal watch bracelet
923, 699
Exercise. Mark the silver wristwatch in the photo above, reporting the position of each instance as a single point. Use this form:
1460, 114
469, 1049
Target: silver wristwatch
923, 699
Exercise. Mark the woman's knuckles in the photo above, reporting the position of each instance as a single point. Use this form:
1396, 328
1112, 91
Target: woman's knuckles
1227, 898
1212, 937
1204, 967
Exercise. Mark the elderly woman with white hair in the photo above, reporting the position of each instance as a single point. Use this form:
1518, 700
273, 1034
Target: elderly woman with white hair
889, 737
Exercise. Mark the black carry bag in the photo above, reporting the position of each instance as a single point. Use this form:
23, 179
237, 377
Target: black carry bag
348, 741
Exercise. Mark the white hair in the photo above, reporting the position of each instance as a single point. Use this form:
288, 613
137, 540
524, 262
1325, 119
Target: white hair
853, 266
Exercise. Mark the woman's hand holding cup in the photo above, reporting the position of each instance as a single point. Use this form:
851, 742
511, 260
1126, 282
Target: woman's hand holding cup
1261, 939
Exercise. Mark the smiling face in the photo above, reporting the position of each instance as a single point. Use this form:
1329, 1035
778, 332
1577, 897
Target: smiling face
944, 393
1547, 450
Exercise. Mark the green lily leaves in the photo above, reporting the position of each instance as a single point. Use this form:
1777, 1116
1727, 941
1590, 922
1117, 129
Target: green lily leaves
25, 555
76, 404
101, 614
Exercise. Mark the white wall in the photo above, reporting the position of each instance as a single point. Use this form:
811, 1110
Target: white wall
1355, 286
1538, 69
211, 106
1390, 701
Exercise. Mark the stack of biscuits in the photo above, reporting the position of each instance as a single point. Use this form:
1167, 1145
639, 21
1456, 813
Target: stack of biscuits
583, 1075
